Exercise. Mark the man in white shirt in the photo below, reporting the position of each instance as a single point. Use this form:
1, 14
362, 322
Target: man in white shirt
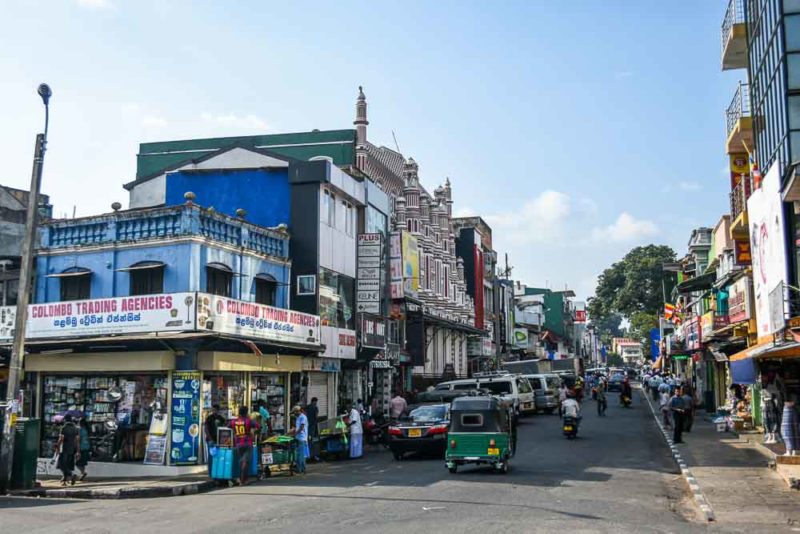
356, 433
571, 408
399, 406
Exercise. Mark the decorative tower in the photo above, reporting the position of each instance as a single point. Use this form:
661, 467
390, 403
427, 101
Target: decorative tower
361, 131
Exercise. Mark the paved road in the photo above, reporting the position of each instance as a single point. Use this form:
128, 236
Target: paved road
616, 477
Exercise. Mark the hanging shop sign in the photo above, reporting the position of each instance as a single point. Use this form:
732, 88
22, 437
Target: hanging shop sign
373, 332
396, 266
580, 316
742, 255
249, 319
739, 297
521, 338
767, 237
691, 332
410, 249
381, 361
172, 312
185, 418
370, 273
707, 324
740, 166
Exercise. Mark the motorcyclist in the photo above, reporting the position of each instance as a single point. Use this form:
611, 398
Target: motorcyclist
627, 391
571, 408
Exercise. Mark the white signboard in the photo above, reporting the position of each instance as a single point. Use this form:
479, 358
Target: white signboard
173, 312
249, 319
368, 281
765, 212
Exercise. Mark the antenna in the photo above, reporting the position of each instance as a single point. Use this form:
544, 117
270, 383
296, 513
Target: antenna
395, 142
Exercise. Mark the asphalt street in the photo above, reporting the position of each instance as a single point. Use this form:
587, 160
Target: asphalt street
617, 476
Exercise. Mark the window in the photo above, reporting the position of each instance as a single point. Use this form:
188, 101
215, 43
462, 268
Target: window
472, 419
307, 284
147, 278
218, 279
523, 386
76, 284
336, 295
329, 206
266, 289
10, 292
349, 220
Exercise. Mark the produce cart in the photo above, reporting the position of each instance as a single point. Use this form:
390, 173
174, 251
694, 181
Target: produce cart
333, 438
277, 456
225, 467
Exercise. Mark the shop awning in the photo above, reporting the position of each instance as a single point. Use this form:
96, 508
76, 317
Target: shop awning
80, 272
743, 371
142, 266
786, 350
752, 352
698, 283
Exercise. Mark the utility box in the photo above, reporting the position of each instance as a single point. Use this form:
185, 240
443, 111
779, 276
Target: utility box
26, 454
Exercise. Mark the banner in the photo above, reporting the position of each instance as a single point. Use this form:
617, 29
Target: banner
249, 319
173, 312
765, 212
521, 338
395, 266
739, 301
373, 332
410, 265
742, 255
185, 417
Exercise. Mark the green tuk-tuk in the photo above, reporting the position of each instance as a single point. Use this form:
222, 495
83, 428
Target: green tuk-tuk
481, 432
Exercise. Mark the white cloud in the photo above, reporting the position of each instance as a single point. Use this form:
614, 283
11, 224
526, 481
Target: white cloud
627, 228
153, 121
94, 4
540, 219
689, 186
466, 211
233, 121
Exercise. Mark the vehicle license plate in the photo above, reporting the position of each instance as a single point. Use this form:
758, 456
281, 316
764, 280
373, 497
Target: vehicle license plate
414, 432
493, 452
568, 428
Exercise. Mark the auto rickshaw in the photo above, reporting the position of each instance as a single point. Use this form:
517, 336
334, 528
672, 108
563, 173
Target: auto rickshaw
481, 432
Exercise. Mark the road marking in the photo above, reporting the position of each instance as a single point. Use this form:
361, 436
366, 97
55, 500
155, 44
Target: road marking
430, 508
697, 492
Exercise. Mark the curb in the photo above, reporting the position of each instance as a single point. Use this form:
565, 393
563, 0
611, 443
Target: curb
697, 492
120, 493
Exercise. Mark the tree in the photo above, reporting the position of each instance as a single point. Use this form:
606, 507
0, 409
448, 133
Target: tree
640, 325
614, 360
633, 284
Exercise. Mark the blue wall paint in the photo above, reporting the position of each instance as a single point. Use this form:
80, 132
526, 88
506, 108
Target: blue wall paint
185, 270
263, 193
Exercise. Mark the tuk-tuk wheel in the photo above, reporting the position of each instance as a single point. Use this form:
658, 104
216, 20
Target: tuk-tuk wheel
502, 467
453, 469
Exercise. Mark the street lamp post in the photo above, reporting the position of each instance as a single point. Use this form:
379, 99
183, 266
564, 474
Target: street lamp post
25, 275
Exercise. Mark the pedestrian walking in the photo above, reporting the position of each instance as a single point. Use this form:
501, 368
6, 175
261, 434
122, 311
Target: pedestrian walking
678, 408
243, 430
300, 433
69, 446
688, 417
663, 403
398, 406
602, 401
356, 433
85, 447
312, 413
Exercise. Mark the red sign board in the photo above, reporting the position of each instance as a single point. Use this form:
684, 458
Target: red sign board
580, 316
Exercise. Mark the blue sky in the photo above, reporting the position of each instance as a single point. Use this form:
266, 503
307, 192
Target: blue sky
577, 129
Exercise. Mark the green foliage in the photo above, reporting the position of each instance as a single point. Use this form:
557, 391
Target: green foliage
633, 284
641, 324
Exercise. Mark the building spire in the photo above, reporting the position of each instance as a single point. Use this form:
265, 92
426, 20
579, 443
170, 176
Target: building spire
361, 121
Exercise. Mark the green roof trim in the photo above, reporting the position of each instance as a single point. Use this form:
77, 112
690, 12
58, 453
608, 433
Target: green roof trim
339, 145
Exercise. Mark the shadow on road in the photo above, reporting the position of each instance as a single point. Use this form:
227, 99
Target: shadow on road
7, 503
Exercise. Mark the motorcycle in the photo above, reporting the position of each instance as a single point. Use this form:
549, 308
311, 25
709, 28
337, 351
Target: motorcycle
376, 431
625, 401
570, 427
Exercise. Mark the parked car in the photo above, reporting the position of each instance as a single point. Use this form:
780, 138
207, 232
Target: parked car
424, 431
515, 390
545, 389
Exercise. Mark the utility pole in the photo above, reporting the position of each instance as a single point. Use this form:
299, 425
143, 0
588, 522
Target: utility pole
25, 275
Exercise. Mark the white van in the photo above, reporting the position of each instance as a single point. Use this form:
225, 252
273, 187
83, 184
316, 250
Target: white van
513, 389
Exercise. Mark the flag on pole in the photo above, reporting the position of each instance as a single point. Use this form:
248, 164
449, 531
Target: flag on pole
669, 311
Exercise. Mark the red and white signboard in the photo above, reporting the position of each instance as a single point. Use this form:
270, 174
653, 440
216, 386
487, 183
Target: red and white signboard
174, 312
249, 319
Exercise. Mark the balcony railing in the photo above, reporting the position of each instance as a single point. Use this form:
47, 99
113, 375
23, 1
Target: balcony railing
739, 195
738, 108
733, 15
164, 223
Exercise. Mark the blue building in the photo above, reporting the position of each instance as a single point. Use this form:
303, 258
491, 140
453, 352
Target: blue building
164, 311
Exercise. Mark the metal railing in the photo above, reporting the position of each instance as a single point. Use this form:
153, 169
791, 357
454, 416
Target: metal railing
738, 108
739, 195
733, 15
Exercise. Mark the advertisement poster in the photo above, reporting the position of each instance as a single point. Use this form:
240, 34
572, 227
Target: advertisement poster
396, 266
97, 317
410, 265
739, 301
373, 332
185, 412
156, 449
521, 338
230, 316
740, 166
370, 273
765, 211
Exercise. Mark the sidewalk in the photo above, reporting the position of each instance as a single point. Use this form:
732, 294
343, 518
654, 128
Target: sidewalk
121, 489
